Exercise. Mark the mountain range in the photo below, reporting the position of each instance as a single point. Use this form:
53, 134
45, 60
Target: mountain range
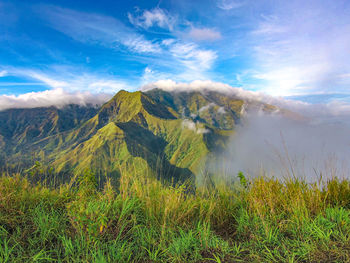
159, 132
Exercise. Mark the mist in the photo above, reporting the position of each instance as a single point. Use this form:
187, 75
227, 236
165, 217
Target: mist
275, 146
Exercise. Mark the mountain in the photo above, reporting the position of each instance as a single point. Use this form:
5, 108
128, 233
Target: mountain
158, 132
21, 128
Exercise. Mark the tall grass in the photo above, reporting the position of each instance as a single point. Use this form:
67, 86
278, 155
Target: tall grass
145, 220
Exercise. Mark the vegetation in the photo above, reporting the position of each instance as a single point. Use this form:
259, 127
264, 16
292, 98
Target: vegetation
144, 220
86, 188
133, 127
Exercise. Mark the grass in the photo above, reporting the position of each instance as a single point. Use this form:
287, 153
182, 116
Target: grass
260, 220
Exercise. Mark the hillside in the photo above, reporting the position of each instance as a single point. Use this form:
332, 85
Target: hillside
155, 132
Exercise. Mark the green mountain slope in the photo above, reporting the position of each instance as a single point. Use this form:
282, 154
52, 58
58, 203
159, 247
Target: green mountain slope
166, 134
21, 129
133, 130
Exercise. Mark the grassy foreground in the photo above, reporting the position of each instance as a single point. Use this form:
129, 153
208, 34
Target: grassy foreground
264, 220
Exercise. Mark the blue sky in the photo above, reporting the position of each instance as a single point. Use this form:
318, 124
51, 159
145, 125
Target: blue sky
294, 49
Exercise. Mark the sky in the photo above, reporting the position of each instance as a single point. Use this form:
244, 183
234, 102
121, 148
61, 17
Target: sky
87, 50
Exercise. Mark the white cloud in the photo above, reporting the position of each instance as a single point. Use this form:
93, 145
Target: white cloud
182, 61
148, 70
66, 86
168, 41
302, 47
268, 28
202, 130
280, 147
204, 86
3, 73
189, 124
201, 34
68, 79
51, 82
140, 45
56, 97
109, 86
186, 60
150, 75
195, 127
97, 29
192, 56
222, 110
335, 110
288, 81
346, 75
206, 107
338, 108
155, 17
230, 4
7, 84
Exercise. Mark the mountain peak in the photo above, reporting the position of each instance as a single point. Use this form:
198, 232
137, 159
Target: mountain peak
124, 106
173, 130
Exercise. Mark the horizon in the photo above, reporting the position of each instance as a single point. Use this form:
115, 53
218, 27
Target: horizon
91, 49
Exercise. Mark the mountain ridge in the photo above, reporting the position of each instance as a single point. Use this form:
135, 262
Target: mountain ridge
156, 132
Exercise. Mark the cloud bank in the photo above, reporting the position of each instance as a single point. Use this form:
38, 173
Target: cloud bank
201, 86
56, 97
268, 145
333, 111
89, 89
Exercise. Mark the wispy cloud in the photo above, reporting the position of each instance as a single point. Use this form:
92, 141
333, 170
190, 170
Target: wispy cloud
184, 58
9, 84
68, 80
193, 57
49, 81
290, 79
151, 75
177, 57
97, 29
186, 61
155, 17
283, 48
202, 34
303, 51
267, 28
3, 73
230, 4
